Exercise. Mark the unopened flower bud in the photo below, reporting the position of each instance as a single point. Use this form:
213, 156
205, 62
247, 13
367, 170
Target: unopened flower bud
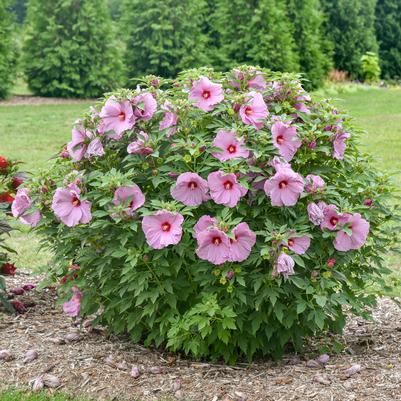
368, 202
229, 275
331, 262
312, 145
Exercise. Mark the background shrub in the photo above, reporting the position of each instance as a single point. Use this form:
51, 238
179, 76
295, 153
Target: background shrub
7, 49
177, 295
70, 49
370, 67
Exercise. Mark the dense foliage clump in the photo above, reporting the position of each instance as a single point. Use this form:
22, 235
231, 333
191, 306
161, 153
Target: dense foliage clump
70, 48
219, 214
8, 55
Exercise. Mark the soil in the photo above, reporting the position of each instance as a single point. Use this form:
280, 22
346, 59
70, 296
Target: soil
92, 364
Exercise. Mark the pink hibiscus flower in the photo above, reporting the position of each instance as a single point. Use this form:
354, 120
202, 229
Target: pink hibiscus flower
117, 117
339, 145
284, 188
203, 224
278, 164
332, 218
231, 147
169, 120
285, 139
316, 212
314, 183
162, 229
145, 106
360, 230
299, 245
73, 306
131, 196
257, 82
140, 147
69, 208
224, 188
242, 245
206, 94
190, 189
20, 208
254, 111
84, 144
284, 265
213, 246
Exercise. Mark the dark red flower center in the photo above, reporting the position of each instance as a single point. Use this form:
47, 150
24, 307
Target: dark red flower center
121, 116
132, 203
232, 149
166, 226
206, 94
228, 185
280, 139
75, 201
333, 221
291, 242
216, 240
283, 184
192, 185
248, 111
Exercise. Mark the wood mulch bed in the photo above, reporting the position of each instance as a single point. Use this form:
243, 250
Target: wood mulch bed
98, 366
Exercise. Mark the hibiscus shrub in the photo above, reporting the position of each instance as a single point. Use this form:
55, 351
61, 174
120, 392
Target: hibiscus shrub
222, 215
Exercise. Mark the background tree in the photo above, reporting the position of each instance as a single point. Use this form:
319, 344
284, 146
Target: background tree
19, 9
7, 49
388, 28
270, 37
70, 49
165, 37
350, 25
314, 57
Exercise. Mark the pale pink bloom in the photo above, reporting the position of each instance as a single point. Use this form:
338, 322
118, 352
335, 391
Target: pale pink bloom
231, 147
162, 229
257, 82
284, 188
140, 147
254, 111
299, 245
20, 208
284, 265
314, 183
224, 188
117, 117
203, 224
278, 164
73, 306
302, 108
190, 189
360, 230
316, 212
332, 218
213, 246
206, 94
339, 145
69, 208
242, 245
131, 196
78, 146
169, 120
95, 148
285, 139
145, 106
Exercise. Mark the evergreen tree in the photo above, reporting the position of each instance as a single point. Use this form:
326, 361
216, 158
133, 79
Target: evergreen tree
69, 49
388, 28
164, 37
314, 58
19, 9
7, 49
255, 32
350, 26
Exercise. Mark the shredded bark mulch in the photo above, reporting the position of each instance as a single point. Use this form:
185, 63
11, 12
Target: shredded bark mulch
92, 364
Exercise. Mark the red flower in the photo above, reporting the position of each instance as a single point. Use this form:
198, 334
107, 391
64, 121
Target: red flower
16, 182
5, 197
18, 306
3, 163
8, 269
